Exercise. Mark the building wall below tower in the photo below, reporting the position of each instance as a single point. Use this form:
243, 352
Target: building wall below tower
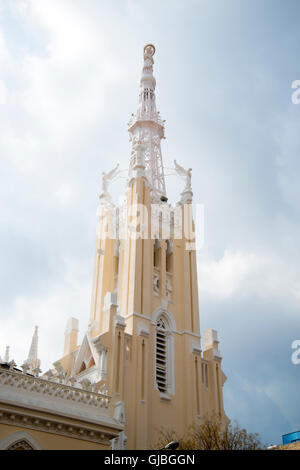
48, 441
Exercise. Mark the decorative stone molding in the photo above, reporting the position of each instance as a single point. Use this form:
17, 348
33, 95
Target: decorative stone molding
93, 350
110, 299
164, 308
195, 348
156, 284
98, 344
217, 354
119, 443
169, 290
161, 312
24, 382
143, 330
55, 426
186, 197
120, 322
119, 413
165, 397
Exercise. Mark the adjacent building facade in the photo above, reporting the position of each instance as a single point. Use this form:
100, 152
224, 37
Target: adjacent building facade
53, 413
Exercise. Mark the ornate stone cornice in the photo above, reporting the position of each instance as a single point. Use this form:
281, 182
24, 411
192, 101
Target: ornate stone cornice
56, 426
29, 383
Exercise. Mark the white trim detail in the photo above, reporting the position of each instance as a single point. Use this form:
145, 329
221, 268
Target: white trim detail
144, 317
119, 412
143, 330
135, 314
59, 426
85, 354
120, 322
119, 443
195, 348
217, 354
110, 299
44, 395
160, 312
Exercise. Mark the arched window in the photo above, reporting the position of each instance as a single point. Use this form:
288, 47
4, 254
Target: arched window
20, 440
21, 445
164, 360
161, 357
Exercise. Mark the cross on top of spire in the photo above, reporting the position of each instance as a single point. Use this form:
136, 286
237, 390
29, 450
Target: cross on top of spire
149, 49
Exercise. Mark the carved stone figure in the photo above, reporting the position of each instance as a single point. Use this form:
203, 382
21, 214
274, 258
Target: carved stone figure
186, 174
156, 284
107, 178
168, 289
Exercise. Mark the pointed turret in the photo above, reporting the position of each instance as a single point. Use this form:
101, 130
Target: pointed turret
146, 127
32, 360
6, 356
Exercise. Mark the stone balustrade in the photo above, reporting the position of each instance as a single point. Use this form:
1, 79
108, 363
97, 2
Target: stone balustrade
51, 388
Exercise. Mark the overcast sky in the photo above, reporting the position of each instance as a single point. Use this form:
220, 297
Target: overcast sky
69, 73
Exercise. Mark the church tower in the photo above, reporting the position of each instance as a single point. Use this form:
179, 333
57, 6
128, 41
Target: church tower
143, 341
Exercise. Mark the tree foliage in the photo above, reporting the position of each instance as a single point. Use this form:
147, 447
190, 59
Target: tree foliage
212, 434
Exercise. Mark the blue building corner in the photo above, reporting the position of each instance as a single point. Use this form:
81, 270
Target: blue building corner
291, 437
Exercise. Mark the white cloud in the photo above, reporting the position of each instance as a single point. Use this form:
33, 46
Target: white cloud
64, 194
71, 32
248, 274
50, 311
225, 277
62, 87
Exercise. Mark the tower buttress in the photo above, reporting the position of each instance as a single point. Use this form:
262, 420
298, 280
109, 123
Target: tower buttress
71, 336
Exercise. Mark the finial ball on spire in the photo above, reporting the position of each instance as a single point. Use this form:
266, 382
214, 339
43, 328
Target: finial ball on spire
149, 49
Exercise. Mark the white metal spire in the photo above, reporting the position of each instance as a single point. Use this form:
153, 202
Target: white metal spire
147, 127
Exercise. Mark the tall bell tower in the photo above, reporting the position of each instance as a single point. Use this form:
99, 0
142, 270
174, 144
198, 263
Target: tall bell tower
143, 342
